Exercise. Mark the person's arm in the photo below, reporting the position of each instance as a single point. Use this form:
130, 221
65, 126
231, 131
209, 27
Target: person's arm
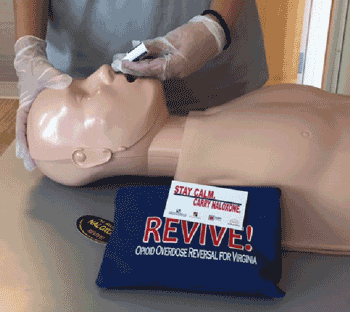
228, 9
186, 49
31, 17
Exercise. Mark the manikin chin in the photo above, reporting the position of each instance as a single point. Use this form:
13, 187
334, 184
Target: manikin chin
289, 136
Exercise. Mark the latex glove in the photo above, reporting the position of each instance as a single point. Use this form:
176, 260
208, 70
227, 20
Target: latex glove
35, 73
179, 53
118, 58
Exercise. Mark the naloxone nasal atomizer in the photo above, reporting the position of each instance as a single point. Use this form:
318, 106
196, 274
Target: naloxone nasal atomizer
135, 54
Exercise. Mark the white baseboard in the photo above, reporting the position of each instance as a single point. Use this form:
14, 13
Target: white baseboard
8, 90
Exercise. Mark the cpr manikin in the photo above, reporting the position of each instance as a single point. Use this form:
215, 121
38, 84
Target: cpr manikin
293, 137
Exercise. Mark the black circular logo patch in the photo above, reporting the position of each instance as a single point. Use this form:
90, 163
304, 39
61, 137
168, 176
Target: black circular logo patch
95, 228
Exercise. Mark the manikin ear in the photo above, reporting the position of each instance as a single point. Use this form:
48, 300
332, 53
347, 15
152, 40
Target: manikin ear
90, 157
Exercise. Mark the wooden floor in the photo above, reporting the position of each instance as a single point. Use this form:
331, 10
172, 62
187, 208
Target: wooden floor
8, 108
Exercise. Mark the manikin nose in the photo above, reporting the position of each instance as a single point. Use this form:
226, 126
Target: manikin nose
103, 76
106, 74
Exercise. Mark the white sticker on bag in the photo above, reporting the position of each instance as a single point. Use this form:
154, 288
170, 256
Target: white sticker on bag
206, 204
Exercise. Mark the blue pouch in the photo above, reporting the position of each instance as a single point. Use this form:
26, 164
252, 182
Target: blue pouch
245, 263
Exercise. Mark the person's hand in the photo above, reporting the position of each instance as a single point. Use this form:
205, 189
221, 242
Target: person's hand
35, 73
179, 53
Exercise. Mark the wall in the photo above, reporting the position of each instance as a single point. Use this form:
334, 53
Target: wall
335, 45
342, 80
282, 23
7, 41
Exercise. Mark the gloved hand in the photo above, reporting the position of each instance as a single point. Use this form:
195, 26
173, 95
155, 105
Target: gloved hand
34, 73
179, 53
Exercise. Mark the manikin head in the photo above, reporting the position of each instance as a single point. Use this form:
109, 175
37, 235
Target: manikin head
98, 127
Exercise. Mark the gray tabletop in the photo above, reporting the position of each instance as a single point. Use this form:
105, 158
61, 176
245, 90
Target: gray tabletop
46, 264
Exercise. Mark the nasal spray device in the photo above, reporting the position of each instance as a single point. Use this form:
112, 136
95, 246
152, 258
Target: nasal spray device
135, 54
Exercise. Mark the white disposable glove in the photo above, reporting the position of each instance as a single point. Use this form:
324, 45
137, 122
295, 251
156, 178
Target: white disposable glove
35, 73
179, 53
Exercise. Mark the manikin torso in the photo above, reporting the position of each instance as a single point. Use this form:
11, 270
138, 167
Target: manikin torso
293, 137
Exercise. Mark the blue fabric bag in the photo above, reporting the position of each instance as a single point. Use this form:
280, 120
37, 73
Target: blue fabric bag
134, 260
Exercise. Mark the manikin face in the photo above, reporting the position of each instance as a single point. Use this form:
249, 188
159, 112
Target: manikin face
93, 119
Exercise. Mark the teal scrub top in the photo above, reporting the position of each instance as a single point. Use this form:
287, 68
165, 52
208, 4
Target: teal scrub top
83, 35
